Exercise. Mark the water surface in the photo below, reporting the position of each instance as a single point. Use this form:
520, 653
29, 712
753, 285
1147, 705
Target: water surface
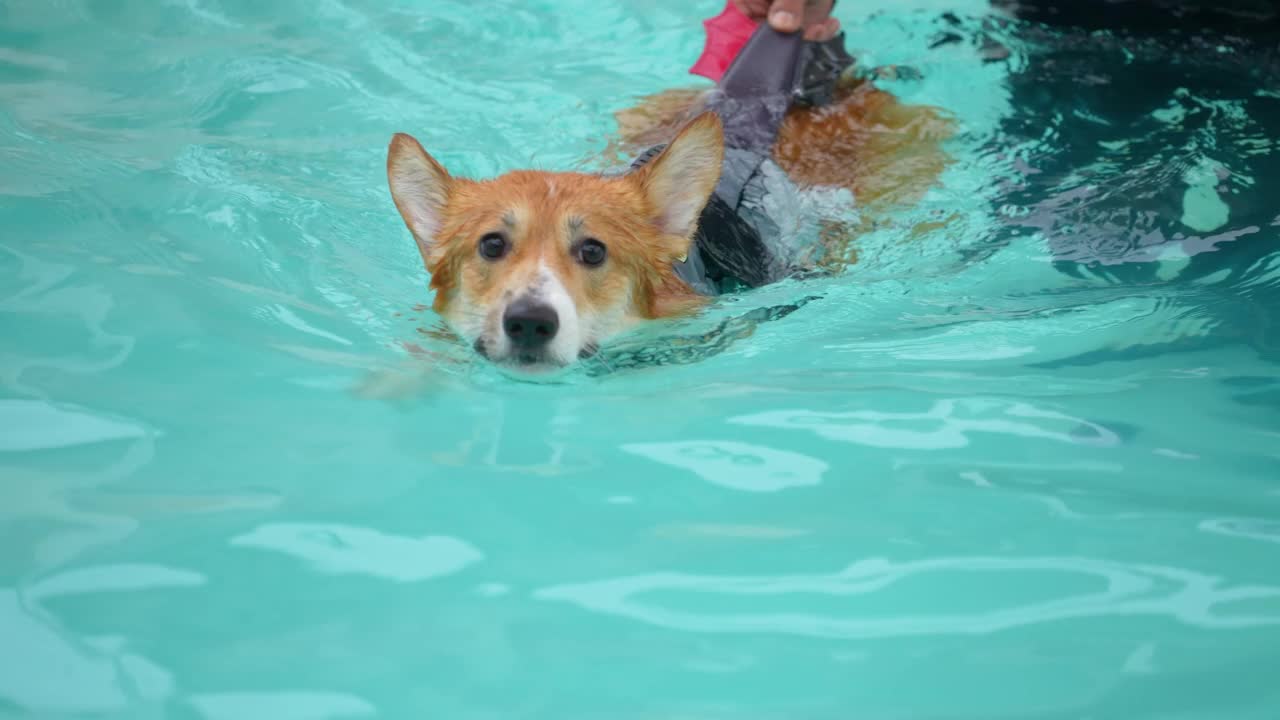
1026, 465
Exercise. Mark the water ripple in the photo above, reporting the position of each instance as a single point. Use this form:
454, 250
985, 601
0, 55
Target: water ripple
343, 549
93, 675
112, 578
736, 465
37, 425
1128, 589
280, 705
1046, 387
946, 424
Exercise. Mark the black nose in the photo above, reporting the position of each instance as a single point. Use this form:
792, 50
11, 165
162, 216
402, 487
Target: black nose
529, 323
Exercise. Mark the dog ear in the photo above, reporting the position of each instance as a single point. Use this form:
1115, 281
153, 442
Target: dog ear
679, 182
420, 188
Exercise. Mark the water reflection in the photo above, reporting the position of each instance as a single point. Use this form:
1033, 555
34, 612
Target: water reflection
286, 705
49, 495
38, 425
753, 468
45, 667
1126, 589
111, 578
946, 424
344, 549
1248, 528
39, 296
48, 668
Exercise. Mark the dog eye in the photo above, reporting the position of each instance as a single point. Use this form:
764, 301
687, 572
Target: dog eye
493, 246
591, 252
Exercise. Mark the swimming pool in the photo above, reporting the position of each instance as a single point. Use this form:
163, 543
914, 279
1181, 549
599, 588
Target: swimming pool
1024, 465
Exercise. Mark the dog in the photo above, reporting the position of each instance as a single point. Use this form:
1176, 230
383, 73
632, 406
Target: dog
537, 270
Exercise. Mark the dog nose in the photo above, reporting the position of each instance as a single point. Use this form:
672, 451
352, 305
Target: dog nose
530, 324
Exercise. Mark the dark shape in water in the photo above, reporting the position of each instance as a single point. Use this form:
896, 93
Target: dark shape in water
735, 239
1109, 193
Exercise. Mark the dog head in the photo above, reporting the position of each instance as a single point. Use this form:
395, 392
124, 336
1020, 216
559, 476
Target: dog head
537, 269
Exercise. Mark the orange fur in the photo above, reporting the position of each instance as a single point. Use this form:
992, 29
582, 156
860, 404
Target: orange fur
545, 206
865, 140
646, 220
884, 152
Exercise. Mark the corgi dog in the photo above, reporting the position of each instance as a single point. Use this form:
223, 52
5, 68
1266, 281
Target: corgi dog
536, 270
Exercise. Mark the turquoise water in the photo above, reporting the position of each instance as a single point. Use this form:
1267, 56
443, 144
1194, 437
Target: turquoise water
962, 480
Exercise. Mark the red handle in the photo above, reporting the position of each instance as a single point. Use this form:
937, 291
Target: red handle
726, 34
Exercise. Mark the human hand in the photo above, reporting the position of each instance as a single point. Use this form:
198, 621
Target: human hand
785, 16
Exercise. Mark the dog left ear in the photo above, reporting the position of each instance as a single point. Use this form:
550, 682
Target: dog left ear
420, 188
679, 182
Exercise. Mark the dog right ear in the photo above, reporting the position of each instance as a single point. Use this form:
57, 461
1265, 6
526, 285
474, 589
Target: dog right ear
420, 188
679, 182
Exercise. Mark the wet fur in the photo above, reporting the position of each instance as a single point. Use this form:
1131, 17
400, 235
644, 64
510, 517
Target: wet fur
887, 154
646, 219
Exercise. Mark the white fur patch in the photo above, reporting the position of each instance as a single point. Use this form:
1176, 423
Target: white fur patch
568, 339
422, 198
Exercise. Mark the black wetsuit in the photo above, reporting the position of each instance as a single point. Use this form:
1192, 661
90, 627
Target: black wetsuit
737, 244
